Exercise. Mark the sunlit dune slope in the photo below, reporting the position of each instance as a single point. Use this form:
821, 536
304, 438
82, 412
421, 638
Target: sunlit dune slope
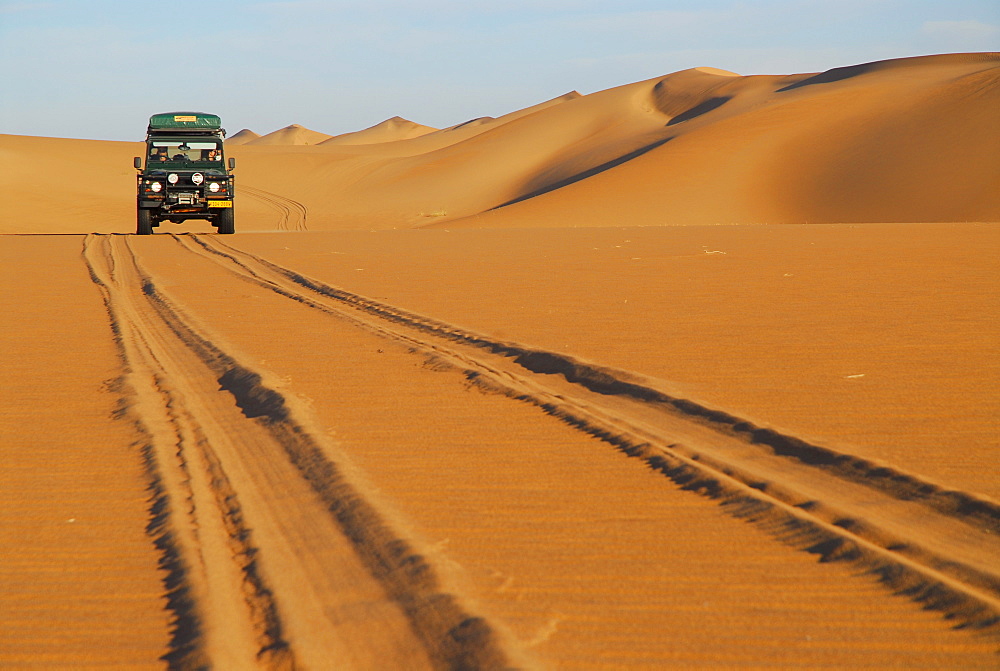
467, 129
904, 140
55, 185
244, 136
396, 128
293, 134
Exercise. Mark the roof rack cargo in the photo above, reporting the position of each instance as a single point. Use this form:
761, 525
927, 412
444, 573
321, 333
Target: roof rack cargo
174, 121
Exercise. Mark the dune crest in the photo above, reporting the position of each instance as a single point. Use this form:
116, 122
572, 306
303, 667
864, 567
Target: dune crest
390, 130
900, 140
293, 134
244, 136
472, 127
682, 93
905, 140
717, 71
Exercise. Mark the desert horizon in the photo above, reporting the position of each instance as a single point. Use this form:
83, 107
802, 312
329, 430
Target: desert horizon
696, 371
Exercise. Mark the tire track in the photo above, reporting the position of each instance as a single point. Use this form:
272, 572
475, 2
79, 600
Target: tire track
220, 441
292, 214
936, 546
173, 445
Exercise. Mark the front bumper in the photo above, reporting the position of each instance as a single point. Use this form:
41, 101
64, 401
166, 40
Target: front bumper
184, 196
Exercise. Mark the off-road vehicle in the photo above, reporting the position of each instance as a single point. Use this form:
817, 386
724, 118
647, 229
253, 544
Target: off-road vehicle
185, 175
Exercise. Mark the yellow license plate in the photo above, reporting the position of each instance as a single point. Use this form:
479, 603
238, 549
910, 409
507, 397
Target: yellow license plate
220, 203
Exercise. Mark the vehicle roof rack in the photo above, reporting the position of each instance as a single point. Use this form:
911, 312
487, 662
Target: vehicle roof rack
187, 132
185, 122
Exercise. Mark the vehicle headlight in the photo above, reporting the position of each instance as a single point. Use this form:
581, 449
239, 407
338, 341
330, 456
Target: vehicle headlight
213, 187
197, 178
155, 187
172, 178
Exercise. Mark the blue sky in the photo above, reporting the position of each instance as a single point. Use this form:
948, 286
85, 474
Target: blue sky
98, 69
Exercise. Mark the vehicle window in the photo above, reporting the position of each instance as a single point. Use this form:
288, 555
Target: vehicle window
180, 151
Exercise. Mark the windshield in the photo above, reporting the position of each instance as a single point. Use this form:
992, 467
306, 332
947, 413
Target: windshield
176, 152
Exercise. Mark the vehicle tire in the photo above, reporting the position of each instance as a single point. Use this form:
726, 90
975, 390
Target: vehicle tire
144, 222
226, 222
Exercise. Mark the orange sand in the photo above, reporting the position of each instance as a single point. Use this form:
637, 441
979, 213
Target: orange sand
333, 439
80, 585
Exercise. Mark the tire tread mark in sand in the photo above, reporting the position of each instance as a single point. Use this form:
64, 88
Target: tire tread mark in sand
451, 636
273, 651
293, 213
185, 648
173, 526
964, 593
973, 509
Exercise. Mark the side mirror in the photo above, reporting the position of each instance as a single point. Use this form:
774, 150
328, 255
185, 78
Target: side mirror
137, 163
232, 163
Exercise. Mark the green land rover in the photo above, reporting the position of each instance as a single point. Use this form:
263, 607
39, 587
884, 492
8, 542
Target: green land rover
185, 174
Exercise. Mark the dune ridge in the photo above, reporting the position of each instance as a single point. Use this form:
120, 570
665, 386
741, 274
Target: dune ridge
736, 150
294, 134
901, 140
242, 137
703, 146
390, 130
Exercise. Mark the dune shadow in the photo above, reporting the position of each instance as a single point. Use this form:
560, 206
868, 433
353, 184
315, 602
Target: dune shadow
830, 76
586, 173
699, 109
477, 120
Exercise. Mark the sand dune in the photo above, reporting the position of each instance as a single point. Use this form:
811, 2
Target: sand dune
390, 130
905, 140
476, 125
101, 196
242, 137
290, 135
560, 418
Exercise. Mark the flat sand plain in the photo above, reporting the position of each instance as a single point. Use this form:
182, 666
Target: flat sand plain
387, 426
